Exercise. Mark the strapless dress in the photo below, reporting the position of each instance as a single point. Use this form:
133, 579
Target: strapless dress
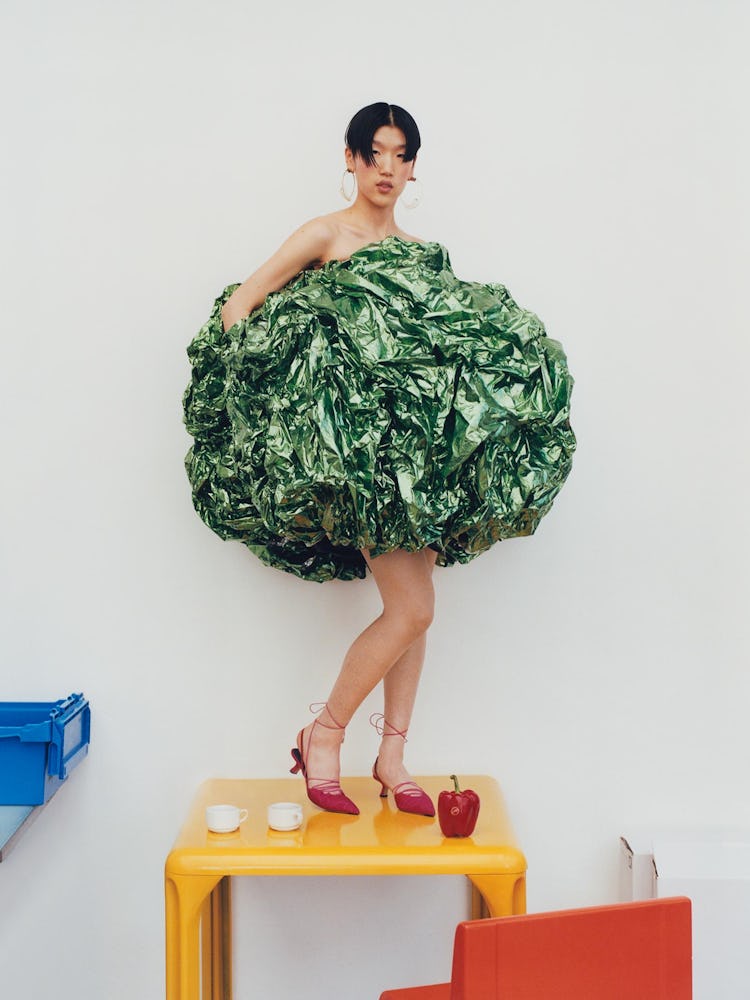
378, 402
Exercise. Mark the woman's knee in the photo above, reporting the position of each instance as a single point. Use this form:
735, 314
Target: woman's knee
414, 612
405, 584
422, 612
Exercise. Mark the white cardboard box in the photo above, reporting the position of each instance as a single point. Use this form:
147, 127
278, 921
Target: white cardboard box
713, 869
637, 872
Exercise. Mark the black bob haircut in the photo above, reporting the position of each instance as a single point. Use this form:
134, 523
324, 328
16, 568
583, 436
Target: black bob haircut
367, 121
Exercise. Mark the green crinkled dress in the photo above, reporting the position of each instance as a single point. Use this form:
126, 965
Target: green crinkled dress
378, 402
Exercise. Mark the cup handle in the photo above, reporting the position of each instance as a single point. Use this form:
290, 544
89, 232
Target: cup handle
243, 815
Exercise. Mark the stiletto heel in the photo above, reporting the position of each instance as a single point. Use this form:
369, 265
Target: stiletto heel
409, 797
296, 756
383, 787
326, 793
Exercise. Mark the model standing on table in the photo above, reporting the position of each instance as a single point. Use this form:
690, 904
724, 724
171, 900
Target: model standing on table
355, 404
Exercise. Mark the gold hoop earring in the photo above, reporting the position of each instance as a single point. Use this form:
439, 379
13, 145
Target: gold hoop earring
413, 202
342, 189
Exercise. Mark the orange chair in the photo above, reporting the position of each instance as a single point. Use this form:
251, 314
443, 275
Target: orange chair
627, 951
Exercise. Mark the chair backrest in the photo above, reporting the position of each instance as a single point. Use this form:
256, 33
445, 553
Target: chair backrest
626, 951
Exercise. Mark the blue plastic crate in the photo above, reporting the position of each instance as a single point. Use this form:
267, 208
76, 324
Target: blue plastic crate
40, 744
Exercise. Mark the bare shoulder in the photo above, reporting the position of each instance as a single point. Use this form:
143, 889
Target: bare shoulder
343, 237
314, 236
305, 247
317, 229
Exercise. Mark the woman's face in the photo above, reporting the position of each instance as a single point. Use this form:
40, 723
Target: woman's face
384, 181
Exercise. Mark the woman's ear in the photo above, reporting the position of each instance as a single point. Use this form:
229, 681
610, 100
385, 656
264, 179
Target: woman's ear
349, 157
413, 164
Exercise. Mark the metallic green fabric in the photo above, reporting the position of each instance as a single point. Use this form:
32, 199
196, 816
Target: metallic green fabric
381, 403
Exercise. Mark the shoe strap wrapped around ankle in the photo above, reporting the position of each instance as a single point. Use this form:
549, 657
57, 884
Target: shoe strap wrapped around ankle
379, 721
317, 707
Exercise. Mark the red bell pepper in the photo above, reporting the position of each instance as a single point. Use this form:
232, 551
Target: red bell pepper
458, 811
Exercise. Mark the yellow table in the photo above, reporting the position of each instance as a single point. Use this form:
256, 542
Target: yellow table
380, 841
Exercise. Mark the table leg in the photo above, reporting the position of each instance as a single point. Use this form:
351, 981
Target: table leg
185, 897
497, 895
206, 949
479, 909
221, 941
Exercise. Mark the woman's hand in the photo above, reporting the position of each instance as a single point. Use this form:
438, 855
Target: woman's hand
305, 246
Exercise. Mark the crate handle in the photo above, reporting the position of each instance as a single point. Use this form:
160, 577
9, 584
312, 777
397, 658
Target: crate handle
33, 732
57, 761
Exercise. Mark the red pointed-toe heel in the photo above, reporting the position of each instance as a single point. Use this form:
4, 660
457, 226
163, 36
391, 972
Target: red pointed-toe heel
326, 793
409, 797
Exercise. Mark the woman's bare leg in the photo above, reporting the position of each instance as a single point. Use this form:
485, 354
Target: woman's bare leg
404, 580
400, 691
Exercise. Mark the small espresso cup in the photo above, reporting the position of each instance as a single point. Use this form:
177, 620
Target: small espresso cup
224, 818
285, 815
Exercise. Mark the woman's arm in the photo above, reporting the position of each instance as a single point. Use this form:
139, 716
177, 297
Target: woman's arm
301, 249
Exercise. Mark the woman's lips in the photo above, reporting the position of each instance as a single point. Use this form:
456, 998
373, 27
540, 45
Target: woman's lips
384, 186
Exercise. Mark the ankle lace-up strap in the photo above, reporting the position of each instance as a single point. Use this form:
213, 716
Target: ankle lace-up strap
317, 708
379, 722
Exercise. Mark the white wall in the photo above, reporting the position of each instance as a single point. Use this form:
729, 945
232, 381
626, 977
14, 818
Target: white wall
590, 155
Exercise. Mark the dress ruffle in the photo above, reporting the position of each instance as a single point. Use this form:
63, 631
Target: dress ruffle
380, 403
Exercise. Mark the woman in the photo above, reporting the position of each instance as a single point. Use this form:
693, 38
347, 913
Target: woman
355, 405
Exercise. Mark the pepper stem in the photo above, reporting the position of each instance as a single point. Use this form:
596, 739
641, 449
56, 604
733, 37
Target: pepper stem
454, 779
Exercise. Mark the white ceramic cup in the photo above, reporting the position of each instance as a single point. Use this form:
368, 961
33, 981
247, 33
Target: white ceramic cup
285, 815
224, 818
